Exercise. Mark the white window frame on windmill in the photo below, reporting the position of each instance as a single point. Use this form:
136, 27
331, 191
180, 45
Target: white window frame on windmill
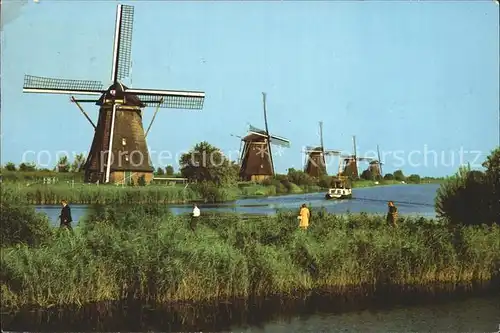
124, 141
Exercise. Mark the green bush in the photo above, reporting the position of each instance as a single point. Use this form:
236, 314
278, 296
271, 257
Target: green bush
470, 197
20, 224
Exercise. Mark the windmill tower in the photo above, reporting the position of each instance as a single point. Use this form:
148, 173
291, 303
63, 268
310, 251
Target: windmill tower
119, 151
256, 157
375, 166
315, 165
349, 167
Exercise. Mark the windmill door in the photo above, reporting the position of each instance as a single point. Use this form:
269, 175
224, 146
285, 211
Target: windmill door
128, 177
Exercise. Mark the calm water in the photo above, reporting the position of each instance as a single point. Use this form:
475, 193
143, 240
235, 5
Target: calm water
472, 314
410, 199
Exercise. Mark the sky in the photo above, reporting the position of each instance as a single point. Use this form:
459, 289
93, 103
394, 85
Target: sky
419, 79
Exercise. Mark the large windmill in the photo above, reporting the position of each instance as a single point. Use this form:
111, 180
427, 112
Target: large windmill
315, 165
349, 167
119, 151
256, 157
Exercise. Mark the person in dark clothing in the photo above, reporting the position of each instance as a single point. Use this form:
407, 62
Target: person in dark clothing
392, 214
65, 216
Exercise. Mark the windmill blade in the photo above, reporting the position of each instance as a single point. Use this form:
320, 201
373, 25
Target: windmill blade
321, 135
47, 85
365, 159
173, 99
379, 161
279, 141
256, 130
274, 139
122, 45
332, 152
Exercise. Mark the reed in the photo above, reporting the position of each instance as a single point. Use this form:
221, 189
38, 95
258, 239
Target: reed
48, 194
147, 253
40, 194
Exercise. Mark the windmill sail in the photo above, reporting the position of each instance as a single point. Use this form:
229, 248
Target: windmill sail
122, 45
47, 85
276, 140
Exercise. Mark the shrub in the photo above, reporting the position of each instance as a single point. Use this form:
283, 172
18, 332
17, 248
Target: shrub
468, 198
414, 179
389, 176
22, 225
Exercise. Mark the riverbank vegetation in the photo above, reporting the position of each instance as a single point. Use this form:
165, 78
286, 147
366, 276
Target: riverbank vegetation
472, 197
125, 252
144, 252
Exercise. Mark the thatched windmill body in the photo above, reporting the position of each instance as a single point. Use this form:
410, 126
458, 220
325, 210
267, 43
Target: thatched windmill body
315, 165
256, 156
349, 165
119, 151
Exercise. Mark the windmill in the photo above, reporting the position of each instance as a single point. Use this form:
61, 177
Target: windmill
118, 152
315, 165
256, 157
375, 166
349, 167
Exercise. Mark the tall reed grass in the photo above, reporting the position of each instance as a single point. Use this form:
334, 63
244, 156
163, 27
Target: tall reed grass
43, 194
90, 194
147, 253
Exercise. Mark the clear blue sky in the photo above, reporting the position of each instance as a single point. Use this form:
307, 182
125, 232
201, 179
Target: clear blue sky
402, 75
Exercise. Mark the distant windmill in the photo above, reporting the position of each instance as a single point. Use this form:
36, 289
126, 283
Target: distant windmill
376, 166
118, 152
349, 167
256, 157
315, 165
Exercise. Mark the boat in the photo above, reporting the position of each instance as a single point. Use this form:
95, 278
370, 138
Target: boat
341, 189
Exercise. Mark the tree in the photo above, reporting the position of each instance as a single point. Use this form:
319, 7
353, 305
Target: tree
414, 178
159, 171
207, 163
471, 197
10, 166
389, 176
492, 163
399, 176
299, 177
462, 199
25, 167
63, 164
78, 163
169, 170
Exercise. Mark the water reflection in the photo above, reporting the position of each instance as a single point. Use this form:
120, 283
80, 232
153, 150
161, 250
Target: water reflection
383, 311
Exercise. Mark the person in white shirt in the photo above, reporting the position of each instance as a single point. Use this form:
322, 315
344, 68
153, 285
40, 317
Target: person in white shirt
194, 217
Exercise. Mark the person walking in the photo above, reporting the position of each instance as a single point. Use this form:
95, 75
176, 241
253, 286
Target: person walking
392, 214
304, 215
195, 215
65, 216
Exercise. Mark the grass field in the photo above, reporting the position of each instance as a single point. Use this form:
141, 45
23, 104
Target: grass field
146, 253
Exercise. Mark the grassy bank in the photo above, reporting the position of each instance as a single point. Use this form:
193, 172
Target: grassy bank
146, 253
43, 194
